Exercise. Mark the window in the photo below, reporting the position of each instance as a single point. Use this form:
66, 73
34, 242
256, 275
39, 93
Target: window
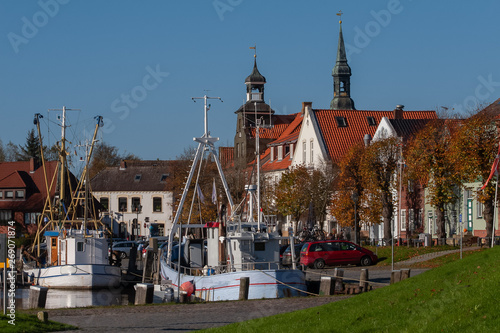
5, 215
105, 203
341, 121
136, 204
157, 204
79, 246
479, 209
430, 219
122, 204
371, 121
312, 151
259, 246
19, 194
411, 186
163, 178
403, 219
280, 153
1, 194
272, 154
30, 218
137, 177
411, 220
304, 151
291, 150
9, 194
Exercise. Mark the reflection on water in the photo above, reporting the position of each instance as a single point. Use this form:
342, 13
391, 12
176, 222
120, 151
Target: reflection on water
77, 298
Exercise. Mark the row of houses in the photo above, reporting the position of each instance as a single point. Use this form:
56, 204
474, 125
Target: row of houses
138, 197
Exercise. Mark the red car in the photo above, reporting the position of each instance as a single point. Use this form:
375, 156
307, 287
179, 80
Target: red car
335, 252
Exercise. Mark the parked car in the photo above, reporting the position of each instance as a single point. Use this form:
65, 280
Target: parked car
287, 255
123, 248
335, 252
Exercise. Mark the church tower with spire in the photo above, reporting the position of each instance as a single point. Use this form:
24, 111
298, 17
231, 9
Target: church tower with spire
341, 79
253, 110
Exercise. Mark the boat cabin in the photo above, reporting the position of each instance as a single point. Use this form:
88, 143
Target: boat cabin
74, 246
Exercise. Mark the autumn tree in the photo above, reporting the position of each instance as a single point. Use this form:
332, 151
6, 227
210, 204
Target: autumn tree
321, 187
292, 193
349, 184
473, 150
379, 173
428, 160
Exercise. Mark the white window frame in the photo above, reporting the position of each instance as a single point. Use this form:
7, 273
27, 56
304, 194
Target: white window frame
311, 145
403, 219
280, 153
304, 152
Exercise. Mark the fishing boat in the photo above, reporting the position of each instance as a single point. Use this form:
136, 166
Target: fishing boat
71, 244
237, 247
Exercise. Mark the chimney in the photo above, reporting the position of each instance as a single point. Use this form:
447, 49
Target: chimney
367, 139
306, 105
398, 112
33, 164
123, 165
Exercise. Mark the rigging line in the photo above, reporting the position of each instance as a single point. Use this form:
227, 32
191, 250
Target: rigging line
194, 194
287, 285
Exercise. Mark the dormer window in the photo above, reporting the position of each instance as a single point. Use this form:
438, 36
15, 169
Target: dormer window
9, 194
19, 194
280, 153
137, 177
341, 121
163, 178
371, 121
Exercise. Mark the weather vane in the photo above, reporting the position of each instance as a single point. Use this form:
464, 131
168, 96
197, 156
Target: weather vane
340, 15
254, 48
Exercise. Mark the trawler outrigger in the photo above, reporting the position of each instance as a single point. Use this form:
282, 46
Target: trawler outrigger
76, 246
248, 249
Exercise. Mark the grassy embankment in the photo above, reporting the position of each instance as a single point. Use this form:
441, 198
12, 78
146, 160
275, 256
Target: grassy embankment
403, 253
30, 323
461, 296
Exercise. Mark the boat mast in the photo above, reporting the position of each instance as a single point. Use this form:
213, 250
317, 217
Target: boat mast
204, 142
257, 147
62, 162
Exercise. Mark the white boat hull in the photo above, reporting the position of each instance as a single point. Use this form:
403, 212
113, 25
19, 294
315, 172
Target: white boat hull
77, 276
271, 283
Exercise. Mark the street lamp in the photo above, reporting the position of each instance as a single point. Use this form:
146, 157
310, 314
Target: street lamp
355, 199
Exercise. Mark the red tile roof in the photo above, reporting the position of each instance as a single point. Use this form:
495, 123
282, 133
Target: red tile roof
14, 180
338, 140
15, 174
493, 109
281, 123
289, 135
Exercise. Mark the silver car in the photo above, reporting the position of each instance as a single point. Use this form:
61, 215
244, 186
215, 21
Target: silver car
123, 248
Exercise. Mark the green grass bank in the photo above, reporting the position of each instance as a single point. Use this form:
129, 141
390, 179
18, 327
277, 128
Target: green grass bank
460, 296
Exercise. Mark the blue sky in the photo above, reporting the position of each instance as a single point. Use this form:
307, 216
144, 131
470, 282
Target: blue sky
91, 55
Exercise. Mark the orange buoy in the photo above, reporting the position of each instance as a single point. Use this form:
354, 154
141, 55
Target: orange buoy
188, 287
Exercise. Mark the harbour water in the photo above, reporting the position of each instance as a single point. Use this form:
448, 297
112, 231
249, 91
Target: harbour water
57, 298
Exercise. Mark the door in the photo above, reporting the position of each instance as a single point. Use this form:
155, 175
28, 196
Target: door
469, 214
54, 257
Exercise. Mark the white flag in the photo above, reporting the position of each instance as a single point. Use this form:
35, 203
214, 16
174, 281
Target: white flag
202, 198
214, 194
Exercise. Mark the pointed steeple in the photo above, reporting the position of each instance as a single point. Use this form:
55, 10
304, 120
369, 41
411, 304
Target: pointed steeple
341, 79
255, 83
